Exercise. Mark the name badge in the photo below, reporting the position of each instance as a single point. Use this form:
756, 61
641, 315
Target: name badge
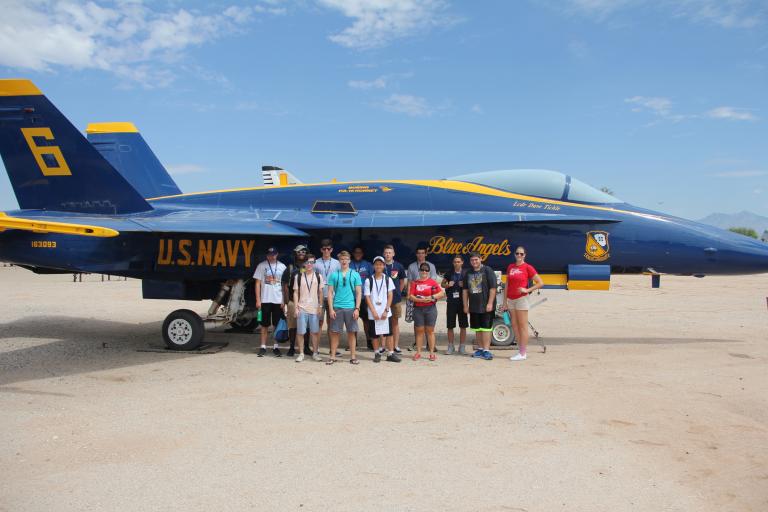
456, 295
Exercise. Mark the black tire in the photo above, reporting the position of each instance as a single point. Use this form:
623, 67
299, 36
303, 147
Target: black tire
183, 330
502, 334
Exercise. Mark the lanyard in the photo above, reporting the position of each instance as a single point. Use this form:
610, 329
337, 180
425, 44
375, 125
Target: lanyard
272, 271
309, 285
326, 267
378, 288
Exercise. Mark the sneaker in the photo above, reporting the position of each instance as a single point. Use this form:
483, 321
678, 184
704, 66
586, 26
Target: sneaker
277, 352
339, 354
377, 357
308, 351
317, 357
462, 350
398, 351
412, 347
519, 357
394, 358
300, 358
449, 350
381, 350
487, 355
432, 357
262, 352
417, 356
291, 352
478, 353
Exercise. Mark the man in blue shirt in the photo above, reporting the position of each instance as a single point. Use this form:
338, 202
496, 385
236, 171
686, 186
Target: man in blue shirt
365, 269
397, 272
344, 295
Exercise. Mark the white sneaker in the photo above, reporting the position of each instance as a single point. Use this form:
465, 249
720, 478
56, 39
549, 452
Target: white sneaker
519, 357
449, 350
317, 357
300, 358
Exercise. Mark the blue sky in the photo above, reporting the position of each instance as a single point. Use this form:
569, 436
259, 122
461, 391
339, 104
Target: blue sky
664, 102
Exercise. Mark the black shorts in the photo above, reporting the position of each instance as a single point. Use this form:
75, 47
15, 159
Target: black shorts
271, 313
372, 327
454, 310
481, 321
363, 308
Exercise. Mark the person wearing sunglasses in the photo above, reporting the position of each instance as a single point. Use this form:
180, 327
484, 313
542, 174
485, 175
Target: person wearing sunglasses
308, 297
344, 295
424, 292
414, 273
326, 265
289, 278
516, 291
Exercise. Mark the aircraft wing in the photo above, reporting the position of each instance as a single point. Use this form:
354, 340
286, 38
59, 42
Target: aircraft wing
182, 221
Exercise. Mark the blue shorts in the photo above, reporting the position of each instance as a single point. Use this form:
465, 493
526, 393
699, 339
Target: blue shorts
307, 322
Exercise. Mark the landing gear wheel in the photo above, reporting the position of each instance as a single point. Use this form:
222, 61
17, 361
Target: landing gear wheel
501, 335
183, 330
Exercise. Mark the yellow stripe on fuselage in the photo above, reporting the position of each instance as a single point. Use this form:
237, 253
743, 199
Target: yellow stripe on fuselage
63, 228
18, 87
117, 127
554, 279
589, 285
459, 186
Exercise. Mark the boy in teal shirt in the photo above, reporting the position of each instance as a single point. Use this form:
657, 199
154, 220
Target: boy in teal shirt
344, 295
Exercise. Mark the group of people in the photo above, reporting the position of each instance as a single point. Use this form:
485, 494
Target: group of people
339, 292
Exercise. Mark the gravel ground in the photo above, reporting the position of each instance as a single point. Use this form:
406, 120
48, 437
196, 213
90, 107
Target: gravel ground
645, 400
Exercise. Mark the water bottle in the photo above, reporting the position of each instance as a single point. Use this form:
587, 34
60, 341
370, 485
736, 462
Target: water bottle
258, 315
507, 319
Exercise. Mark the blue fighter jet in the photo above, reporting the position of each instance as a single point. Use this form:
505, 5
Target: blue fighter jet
106, 205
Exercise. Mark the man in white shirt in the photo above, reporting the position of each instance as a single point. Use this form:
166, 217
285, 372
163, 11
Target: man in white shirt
269, 297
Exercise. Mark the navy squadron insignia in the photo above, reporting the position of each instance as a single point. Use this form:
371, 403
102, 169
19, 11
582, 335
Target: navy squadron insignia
597, 246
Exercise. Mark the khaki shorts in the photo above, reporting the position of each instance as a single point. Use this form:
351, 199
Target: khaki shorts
519, 304
397, 311
291, 319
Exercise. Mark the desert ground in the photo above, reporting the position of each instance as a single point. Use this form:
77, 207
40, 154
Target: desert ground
646, 400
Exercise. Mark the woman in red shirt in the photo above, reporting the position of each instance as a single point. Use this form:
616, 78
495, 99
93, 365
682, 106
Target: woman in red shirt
516, 292
424, 293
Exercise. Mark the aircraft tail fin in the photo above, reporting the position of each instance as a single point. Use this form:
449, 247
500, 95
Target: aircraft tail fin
277, 176
50, 164
122, 145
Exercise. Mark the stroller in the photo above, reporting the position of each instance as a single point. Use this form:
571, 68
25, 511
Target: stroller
502, 334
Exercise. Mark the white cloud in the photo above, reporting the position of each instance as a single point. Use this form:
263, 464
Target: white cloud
740, 174
414, 106
129, 39
661, 108
730, 14
376, 83
477, 109
731, 113
658, 105
177, 169
379, 22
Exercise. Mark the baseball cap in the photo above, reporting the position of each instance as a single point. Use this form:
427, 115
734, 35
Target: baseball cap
300, 247
272, 250
379, 258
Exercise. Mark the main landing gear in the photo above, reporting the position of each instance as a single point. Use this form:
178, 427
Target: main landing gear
185, 330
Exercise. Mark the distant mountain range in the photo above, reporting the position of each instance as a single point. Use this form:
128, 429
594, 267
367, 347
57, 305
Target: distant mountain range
737, 220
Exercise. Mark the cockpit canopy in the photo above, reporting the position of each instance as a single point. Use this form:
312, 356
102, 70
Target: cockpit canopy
539, 183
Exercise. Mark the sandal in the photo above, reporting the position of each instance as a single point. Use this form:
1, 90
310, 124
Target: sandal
432, 357
330, 362
354, 361
417, 356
